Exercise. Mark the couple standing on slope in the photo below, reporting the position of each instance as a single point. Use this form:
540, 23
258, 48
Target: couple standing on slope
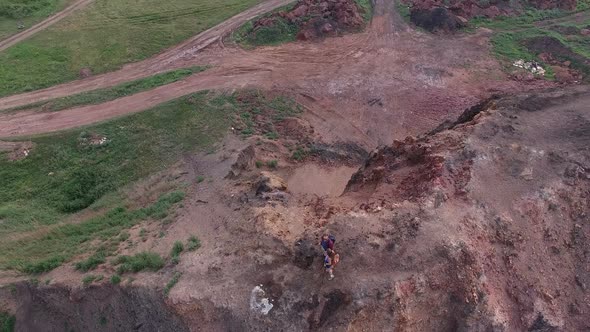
331, 258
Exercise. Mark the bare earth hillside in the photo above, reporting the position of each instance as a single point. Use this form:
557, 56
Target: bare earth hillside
481, 225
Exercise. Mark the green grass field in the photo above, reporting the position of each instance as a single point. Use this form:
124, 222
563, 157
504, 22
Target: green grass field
103, 95
104, 36
27, 12
64, 174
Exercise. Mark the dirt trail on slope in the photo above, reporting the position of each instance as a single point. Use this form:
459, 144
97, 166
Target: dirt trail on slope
164, 61
6, 43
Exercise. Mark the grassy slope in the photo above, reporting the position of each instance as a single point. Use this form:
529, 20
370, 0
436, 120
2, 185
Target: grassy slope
103, 95
62, 175
106, 35
37, 11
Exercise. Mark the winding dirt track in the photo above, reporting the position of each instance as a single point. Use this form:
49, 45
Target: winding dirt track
6, 43
379, 85
169, 59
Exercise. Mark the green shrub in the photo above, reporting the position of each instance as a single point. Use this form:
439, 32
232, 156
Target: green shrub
193, 243
160, 209
172, 283
259, 164
7, 322
84, 187
280, 32
87, 280
43, 265
139, 262
115, 279
272, 135
99, 257
18, 9
272, 163
176, 250
299, 154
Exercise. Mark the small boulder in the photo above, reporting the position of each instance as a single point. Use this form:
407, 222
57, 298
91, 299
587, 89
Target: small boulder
327, 28
244, 161
85, 72
585, 32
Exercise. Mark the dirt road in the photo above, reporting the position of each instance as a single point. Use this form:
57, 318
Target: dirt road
6, 43
416, 79
167, 60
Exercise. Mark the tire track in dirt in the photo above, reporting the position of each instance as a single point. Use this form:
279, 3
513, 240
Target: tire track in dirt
29, 122
10, 41
167, 60
417, 79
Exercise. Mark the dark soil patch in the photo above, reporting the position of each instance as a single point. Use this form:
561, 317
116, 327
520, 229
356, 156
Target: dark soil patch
436, 19
107, 308
337, 299
339, 153
566, 30
305, 254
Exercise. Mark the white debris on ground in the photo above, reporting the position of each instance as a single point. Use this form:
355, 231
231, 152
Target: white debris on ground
532, 66
98, 140
258, 302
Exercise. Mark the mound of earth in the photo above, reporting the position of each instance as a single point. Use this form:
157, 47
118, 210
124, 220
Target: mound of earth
437, 19
505, 195
450, 15
317, 18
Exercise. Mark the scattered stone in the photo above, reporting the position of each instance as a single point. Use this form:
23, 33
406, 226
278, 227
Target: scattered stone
92, 139
16, 150
527, 174
258, 302
531, 66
